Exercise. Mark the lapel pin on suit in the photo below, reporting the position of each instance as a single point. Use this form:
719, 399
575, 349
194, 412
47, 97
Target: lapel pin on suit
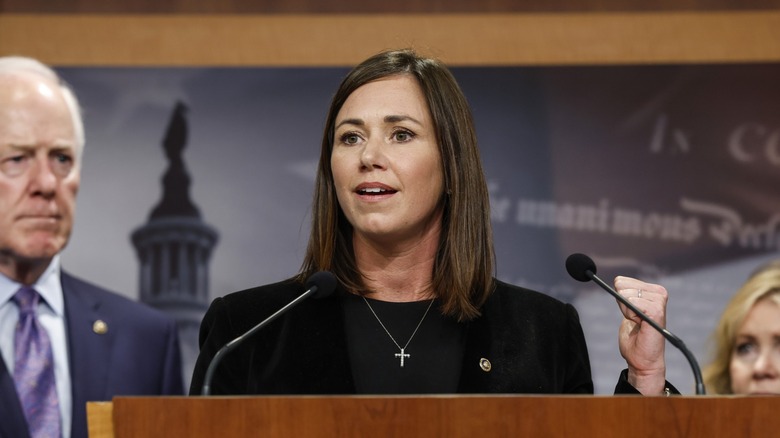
100, 327
485, 365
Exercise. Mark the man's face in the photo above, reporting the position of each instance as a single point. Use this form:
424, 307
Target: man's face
39, 175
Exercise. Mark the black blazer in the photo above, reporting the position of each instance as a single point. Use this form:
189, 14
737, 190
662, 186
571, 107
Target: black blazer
534, 343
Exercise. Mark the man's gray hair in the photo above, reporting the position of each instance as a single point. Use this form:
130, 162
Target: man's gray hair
23, 65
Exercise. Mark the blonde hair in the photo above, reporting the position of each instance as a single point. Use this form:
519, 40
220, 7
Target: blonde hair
764, 283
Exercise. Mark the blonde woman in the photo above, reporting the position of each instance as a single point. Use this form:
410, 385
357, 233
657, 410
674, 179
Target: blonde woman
746, 358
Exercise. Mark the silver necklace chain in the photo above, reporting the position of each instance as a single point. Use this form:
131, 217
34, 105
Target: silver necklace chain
403, 353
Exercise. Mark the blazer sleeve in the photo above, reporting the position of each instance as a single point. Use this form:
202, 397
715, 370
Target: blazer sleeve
625, 388
578, 373
215, 332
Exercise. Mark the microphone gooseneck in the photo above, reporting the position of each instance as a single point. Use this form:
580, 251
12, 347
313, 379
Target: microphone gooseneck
582, 268
320, 285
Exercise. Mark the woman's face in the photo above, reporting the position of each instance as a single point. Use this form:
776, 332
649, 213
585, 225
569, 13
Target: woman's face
755, 361
386, 164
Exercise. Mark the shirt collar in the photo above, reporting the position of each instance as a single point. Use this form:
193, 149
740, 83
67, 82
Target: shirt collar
48, 286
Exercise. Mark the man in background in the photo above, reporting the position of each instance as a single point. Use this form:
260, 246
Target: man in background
63, 341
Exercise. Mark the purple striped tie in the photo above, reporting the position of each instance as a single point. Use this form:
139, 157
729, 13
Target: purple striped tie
34, 369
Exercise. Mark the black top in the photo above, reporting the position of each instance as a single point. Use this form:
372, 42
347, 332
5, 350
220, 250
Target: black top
432, 358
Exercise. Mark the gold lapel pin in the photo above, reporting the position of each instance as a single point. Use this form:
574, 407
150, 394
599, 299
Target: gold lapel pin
100, 327
485, 365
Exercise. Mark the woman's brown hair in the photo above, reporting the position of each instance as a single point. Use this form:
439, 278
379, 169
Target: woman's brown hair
463, 269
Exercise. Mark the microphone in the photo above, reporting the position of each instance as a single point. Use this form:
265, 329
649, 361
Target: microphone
582, 268
320, 285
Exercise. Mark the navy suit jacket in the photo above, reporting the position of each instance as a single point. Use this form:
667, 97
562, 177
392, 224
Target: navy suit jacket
138, 355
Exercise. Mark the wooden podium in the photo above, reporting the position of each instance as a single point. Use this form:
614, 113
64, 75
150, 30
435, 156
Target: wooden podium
436, 416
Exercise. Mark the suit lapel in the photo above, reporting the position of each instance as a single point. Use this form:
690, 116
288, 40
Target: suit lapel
89, 352
477, 374
12, 423
474, 378
320, 349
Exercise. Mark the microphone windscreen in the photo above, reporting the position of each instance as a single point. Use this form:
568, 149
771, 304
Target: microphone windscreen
324, 281
577, 265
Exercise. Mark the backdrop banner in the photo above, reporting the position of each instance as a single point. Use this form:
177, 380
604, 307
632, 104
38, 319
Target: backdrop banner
666, 173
